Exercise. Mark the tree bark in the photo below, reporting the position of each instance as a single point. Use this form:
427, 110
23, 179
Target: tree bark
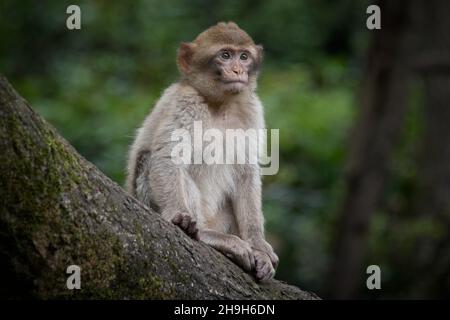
57, 209
383, 103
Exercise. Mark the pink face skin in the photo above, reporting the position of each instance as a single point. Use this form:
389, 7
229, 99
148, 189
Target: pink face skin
233, 67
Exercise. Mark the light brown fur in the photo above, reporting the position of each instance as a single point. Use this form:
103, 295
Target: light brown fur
218, 204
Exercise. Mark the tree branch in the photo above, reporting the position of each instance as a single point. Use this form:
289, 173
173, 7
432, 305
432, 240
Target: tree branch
57, 209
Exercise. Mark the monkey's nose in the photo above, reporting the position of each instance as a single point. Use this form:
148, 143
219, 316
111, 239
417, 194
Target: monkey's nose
237, 70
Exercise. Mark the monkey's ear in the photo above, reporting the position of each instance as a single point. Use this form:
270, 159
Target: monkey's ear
260, 54
184, 58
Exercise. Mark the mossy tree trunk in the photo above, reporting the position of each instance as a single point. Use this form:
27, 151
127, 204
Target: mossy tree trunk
57, 209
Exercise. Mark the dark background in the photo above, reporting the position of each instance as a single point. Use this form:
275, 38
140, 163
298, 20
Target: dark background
363, 116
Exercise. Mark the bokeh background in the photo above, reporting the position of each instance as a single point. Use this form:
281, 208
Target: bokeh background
365, 152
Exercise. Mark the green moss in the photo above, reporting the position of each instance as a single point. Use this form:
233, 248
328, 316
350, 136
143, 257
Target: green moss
51, 231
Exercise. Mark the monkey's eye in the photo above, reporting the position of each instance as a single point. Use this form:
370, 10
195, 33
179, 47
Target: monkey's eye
244, 56
225, 55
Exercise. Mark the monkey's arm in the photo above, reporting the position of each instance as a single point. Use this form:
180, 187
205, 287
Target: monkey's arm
162, 181
172, 191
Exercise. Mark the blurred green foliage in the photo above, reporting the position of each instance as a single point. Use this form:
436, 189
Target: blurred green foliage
96, 85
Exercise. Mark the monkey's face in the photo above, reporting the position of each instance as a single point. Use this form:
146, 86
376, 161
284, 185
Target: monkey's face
232, 67
222, 61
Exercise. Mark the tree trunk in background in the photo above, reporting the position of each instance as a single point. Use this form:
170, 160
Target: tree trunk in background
433, 192
57, 209
383, 106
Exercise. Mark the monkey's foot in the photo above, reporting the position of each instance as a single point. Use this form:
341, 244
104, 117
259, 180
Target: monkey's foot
264, 246
241, 253
264, 269
187, 224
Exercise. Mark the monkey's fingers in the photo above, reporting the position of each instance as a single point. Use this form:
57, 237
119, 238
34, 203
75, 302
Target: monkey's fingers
182, 220
187, 224
274, 259
272, 255
263, 267
177, 219
265, 272
192, 230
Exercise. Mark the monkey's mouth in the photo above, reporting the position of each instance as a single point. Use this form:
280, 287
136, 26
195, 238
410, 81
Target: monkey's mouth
234, 86
234, 81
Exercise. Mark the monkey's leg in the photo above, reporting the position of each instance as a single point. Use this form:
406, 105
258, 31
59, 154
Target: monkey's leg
230, 245
248, 212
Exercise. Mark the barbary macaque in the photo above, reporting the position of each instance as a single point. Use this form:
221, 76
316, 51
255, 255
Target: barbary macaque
219, 204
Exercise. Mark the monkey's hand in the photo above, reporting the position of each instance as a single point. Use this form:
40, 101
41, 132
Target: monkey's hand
264, 246
264, 269
187, 223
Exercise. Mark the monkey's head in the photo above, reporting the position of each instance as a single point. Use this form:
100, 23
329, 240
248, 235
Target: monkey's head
221, 62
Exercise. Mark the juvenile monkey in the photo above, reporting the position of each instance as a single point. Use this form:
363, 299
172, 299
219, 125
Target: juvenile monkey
219, 204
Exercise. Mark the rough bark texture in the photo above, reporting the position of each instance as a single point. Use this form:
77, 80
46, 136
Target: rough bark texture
383, 106
57, 209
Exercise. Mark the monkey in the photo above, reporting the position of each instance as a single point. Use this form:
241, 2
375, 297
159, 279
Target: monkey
218, 204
